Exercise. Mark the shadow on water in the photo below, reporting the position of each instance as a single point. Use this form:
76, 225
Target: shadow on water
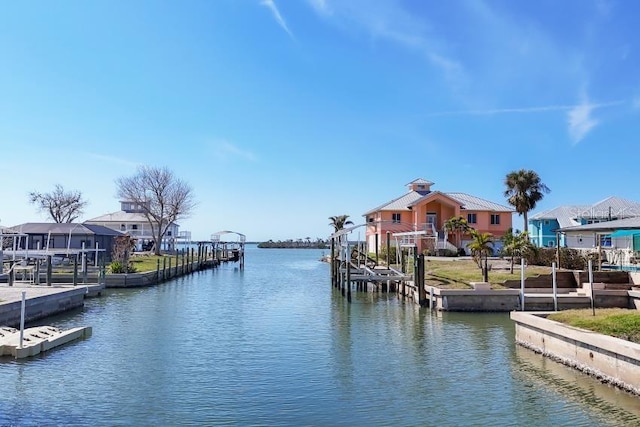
607, 404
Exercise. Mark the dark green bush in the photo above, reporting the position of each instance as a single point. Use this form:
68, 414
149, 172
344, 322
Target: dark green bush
571, 259
117, 267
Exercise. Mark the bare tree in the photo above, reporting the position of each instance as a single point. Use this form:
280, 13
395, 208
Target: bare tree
160, 195
62, 206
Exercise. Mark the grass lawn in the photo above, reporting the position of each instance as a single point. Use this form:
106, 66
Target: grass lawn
616, 322
458, 273
150, 262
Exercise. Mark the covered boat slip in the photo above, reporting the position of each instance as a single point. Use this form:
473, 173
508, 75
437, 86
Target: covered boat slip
351, 263
229, 246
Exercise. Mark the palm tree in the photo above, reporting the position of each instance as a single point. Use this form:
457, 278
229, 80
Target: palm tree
457, 225
480, 247
338, 222
515, 244
524, 190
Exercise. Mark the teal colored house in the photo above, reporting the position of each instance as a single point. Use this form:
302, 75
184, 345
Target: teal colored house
544, 226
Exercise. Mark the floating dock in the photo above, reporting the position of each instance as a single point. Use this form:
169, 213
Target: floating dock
37, 340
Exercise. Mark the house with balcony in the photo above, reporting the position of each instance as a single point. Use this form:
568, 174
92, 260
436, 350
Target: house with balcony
546, 229
418, 217
131, 220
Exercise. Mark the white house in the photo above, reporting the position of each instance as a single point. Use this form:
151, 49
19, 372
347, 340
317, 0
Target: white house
132, 221
619, 239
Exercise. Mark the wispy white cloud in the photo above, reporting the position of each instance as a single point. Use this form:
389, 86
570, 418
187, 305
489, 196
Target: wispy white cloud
320, 6
580, 118
388, 20
581, 121
514, 110
277, 16
225, 150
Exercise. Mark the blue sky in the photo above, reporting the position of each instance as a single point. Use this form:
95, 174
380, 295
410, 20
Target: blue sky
281, 113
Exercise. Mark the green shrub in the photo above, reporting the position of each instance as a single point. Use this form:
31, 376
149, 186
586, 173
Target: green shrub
117, 267
392, 253
571, 259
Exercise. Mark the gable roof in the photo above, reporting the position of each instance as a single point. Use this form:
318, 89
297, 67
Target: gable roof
398, 204
618, 224
615, 206
421, 182
63, 228
121, 217
466, 201
474, 203
564, 215
431, 194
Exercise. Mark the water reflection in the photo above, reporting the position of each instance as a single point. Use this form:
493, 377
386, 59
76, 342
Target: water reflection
275, 344
607, 405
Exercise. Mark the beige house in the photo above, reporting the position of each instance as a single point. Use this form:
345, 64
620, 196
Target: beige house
131, 220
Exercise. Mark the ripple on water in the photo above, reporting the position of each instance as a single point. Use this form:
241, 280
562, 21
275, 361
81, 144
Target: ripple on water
276, 345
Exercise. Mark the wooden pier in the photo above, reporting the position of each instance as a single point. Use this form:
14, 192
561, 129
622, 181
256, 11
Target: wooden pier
351, 266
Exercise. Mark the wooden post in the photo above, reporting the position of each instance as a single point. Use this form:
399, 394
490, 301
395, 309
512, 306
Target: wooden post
84, 265
37, 272
158, 272
182, 261
177, 262
12, 273
75, 270
348, 274
49, 270
169, 268
164, 268
377, 251
389, 249
333, 262
422, 296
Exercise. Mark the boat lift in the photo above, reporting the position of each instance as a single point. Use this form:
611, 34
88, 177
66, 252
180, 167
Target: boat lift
228, 246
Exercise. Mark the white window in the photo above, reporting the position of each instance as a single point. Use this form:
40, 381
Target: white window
472, 218
395, 218
495, 219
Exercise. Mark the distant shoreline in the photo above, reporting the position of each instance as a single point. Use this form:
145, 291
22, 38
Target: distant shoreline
292, 245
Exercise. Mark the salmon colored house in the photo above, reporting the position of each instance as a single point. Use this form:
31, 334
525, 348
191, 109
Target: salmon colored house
418, 217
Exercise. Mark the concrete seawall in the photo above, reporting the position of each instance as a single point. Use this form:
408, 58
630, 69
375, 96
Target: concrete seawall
41, 302
611, 360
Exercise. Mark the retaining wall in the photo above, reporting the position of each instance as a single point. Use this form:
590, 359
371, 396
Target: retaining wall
39, 307
609, 359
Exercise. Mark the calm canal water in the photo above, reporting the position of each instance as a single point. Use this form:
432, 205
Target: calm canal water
275, 345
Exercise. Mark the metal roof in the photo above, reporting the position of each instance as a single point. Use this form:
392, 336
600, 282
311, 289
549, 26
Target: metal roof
420, 181
627, 223
467, 202
473, 203
399, 204
63, 228
120, 216
614, 206
565, 215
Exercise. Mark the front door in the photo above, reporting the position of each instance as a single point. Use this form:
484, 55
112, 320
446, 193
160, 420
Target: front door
432, 221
